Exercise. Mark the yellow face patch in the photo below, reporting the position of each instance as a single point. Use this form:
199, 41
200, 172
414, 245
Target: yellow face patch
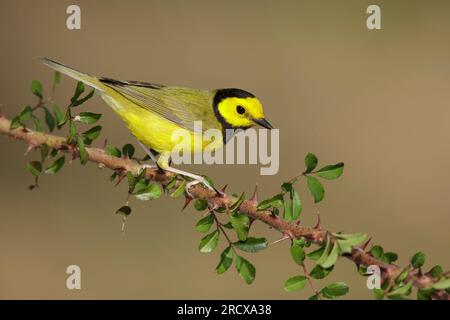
239, 112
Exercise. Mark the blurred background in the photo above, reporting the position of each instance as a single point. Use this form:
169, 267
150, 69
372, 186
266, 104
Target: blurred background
377, 100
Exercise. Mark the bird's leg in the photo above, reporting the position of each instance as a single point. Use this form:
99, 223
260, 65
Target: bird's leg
196, 178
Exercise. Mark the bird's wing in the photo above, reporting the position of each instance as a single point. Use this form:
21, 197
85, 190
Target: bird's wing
182, 106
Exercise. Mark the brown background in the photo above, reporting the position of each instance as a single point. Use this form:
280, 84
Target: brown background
378, 100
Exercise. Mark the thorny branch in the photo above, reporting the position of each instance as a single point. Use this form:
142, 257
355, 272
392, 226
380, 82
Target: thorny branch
249, 206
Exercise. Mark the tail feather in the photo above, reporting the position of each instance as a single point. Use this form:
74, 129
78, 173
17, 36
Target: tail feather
77, 75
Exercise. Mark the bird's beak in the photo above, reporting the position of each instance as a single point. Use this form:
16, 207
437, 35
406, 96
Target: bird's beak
263, 123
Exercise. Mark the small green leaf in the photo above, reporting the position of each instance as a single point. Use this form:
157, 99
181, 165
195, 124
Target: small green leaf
319, 273
251, 244
88, 117
226, 260
442, 285
379, 294
377, 252
402, 276
37, 124
72, 132
200, 204
25, 115
125, 211
314, 297
180, 190
57, 77
295, 283
209, 242
245, 269
331, 171
113, 151
49, 120
92, 134
151, 192
316, 188
240, 223
401, 291
310, 162
78, 91
332, 257
15, 123
55, 166
275, 201
334, 290
84, 156
296, 204
36, 88
298, 254
84, 99
423, 294
204, 224
436, 271
325, 252
316, 254
238, 202
35, 168
59, 115
128, 151
418, 260
390, 257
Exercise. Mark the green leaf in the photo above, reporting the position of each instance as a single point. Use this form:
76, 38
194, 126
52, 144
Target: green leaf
436, 271
37, 123
59, 115
35, 168
57, 77
128, 151
418, 260
314, 297
310, 162
316, 254
238, 202
78, 91
240, 223
316, 188
113, 151
84, 99
209, 242
251, 244
296, 204
124, 211
442, 285
319, 273
330, 172
245, 269
402, 276
325, 252
423, 294
88, 117
36, 88
92, 134
401, 291
377, 252
200, 204
298, 254
151, 192
72, 132
379, 294
334, 290
226, 260
275, 201
84, 156
295, 283
15, 123
332, 257
49, 120
55, 166
180, 190
25, 115
204, 224
348, 241
390, 257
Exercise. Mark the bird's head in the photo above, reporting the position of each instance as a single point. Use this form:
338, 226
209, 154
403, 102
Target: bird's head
239, 109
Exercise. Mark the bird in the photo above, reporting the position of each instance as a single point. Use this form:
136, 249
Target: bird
153, 112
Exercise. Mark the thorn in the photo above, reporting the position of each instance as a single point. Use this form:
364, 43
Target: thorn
30, 148
285, 237
224, 188
318, 223
105, 143
365, 244
254, 197
187, 200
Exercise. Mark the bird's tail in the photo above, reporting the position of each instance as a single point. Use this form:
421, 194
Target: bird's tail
77, 75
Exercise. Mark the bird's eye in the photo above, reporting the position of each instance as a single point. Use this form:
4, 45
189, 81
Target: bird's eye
240, 109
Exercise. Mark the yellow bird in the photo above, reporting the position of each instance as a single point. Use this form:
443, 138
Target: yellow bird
154, 112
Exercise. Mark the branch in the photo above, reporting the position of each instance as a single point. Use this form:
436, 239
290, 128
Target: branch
249, 206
